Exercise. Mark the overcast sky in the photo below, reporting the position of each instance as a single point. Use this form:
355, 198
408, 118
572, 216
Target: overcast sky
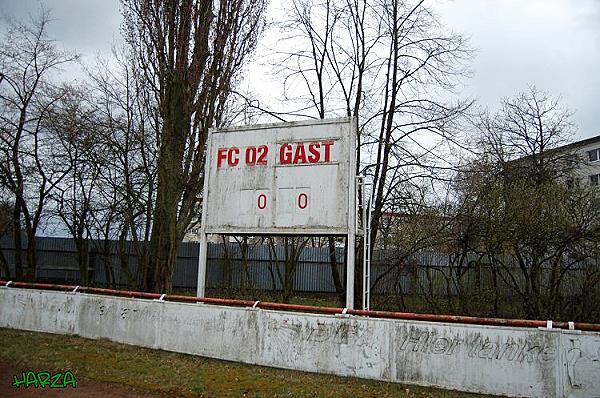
553, 44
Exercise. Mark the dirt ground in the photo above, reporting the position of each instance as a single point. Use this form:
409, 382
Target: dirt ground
85, 387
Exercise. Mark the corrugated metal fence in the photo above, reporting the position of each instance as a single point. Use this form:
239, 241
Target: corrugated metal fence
118, 266
428, 273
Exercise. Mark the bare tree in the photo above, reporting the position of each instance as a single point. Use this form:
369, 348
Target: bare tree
386, 63
315, 24
72, 120
292, 250
190, 53
421, 59
126, 159
6, 214
31, 166
528, 126
518, 210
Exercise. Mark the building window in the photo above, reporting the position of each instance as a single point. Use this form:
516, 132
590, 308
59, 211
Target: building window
594, 179
594, 155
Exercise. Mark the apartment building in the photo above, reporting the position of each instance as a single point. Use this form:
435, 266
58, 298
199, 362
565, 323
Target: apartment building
587, 151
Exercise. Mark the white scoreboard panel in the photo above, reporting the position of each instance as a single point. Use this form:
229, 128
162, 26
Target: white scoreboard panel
289, 178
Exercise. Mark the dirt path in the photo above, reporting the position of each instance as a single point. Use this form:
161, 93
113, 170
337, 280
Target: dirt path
85, 388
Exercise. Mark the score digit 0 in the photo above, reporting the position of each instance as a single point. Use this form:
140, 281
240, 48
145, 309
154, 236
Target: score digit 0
301, 201
261, 201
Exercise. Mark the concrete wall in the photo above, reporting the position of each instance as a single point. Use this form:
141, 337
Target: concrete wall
494, 360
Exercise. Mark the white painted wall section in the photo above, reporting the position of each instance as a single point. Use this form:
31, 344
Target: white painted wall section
492, 360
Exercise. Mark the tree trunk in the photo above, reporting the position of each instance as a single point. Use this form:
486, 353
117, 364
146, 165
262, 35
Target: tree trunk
244, 269
165, 237
164, 241
339, 287
288, 288
163, 248
31, 258
4, 266
18, 242
83, 260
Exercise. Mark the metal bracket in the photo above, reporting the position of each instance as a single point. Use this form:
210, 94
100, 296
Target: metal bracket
161, 298
255, 306
344, 313
572, 329
550, 327
7, 283
75, 290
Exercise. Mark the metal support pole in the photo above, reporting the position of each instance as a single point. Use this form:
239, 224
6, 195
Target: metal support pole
202, 250
202, 266
350, 269
350, 255
368, 254
365, 286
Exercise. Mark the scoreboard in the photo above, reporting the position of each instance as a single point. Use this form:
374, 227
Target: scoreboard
288, 178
